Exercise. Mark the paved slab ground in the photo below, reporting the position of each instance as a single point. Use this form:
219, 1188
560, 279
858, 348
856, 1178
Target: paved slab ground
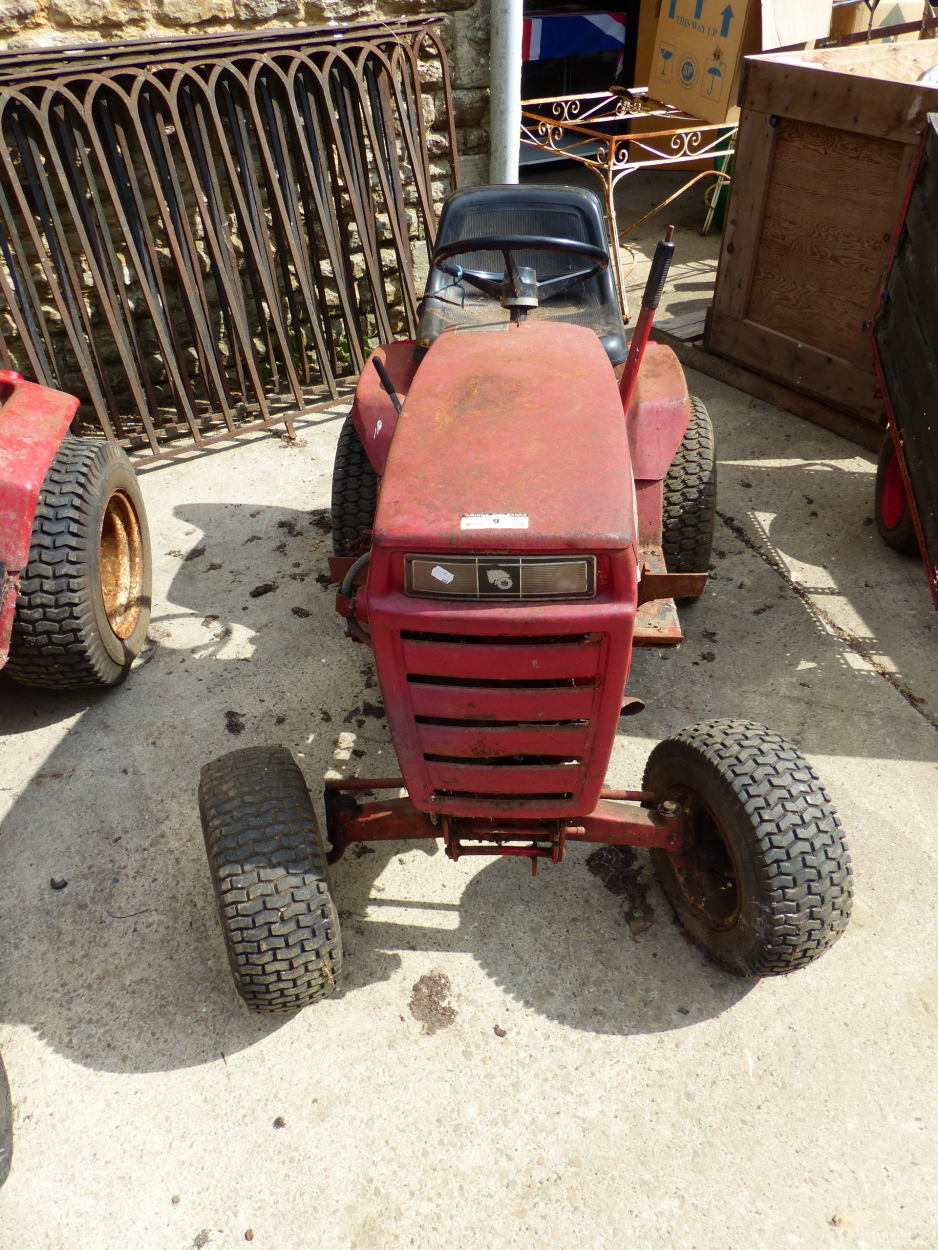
596, 1088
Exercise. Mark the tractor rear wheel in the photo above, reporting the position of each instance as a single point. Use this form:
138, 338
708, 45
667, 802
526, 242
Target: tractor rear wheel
690, 498
893, 514
354, 494
764, 882
84, 599
268, 866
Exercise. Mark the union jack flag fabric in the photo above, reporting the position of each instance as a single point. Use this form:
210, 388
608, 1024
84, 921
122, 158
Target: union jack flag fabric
573, 34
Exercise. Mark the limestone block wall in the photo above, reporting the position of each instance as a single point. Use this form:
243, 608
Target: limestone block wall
50, 23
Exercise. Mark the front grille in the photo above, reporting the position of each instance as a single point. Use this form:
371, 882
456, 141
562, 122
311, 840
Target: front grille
503, 719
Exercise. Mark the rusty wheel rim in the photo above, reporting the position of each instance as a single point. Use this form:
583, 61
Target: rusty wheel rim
121, 565
706, 871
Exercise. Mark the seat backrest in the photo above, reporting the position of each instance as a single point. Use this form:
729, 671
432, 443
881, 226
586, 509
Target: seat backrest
556, 211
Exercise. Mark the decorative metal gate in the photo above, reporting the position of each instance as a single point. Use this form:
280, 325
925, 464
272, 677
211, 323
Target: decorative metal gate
201, 237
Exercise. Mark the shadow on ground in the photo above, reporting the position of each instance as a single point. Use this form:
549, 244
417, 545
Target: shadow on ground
124, 969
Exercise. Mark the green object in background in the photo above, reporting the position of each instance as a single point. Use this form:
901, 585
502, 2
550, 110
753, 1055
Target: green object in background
724, 165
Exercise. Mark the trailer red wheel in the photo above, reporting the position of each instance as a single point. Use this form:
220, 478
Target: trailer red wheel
893, 514
764, 882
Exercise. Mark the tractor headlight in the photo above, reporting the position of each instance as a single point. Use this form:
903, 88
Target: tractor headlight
517, 577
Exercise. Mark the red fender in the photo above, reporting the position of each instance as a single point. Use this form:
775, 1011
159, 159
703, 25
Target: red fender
33, 422
373, 413
657, 419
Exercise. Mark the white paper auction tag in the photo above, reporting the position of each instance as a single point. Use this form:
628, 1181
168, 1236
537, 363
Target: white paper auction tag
494, 521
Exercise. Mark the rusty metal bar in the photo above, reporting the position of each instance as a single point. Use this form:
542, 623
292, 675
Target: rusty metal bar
204, 236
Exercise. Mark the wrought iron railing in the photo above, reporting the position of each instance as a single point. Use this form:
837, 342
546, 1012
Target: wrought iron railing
204, 236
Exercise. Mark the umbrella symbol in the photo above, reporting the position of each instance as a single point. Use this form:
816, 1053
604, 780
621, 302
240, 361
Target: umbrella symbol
714, 73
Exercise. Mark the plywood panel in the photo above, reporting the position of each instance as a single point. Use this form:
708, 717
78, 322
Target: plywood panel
827, 214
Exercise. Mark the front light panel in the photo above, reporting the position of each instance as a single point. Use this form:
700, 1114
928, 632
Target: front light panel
518, 577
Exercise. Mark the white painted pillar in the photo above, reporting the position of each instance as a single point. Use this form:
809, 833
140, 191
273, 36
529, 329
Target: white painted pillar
505, 85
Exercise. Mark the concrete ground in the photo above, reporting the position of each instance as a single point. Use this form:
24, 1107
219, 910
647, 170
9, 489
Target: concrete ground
600, 1085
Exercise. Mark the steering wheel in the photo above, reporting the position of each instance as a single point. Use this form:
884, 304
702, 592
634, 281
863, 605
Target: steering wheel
516, 283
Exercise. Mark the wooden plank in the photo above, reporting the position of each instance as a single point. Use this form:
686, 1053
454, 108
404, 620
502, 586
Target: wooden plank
693, 357
690, 327
808, 91
755, 152
830, 205
829, 378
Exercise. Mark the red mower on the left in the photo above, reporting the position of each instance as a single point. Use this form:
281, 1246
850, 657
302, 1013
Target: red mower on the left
75, 564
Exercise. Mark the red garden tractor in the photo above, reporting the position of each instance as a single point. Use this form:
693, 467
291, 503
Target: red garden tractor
518, 500
74, 548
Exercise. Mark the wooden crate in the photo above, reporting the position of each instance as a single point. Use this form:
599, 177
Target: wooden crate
826, 143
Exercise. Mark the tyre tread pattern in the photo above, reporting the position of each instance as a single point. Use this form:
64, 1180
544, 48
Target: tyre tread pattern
268, 867
797, 847
55, 642
354, 494
689, 508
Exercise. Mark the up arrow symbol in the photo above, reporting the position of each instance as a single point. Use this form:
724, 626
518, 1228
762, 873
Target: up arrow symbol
698, 10
727, 16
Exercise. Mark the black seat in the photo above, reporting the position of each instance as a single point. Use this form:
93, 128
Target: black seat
560, 212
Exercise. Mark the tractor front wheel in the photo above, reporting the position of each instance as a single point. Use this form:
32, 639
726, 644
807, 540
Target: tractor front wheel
84, 599
268, 866
764, 882
690, 498
893, 514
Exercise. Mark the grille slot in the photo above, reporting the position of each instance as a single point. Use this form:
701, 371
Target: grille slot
462, 723
546, 797
489, 683
504, 761
502, 640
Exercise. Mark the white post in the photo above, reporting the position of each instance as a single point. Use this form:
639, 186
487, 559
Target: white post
505, 84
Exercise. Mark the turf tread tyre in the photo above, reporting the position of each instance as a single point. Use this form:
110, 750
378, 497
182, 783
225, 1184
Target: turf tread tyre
902, 536
269, 872
690, 492
61, 635
789, 834
354, 494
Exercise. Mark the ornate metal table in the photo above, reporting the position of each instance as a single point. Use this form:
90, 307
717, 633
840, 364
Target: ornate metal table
598, 130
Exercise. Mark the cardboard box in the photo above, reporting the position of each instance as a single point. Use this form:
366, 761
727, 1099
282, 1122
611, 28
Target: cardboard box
700, 46
699, 50
851, 19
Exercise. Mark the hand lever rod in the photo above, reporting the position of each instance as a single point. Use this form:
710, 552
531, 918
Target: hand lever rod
657, 277
387, 383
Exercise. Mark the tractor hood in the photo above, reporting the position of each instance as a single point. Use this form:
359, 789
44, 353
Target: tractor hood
511, 438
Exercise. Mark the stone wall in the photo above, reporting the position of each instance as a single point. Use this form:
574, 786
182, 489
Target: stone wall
50, 23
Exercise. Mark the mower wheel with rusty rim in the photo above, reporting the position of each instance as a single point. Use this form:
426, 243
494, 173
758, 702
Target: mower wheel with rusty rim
690, 498
83, 607
354, 494
268, 866
764, 882
893, 514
